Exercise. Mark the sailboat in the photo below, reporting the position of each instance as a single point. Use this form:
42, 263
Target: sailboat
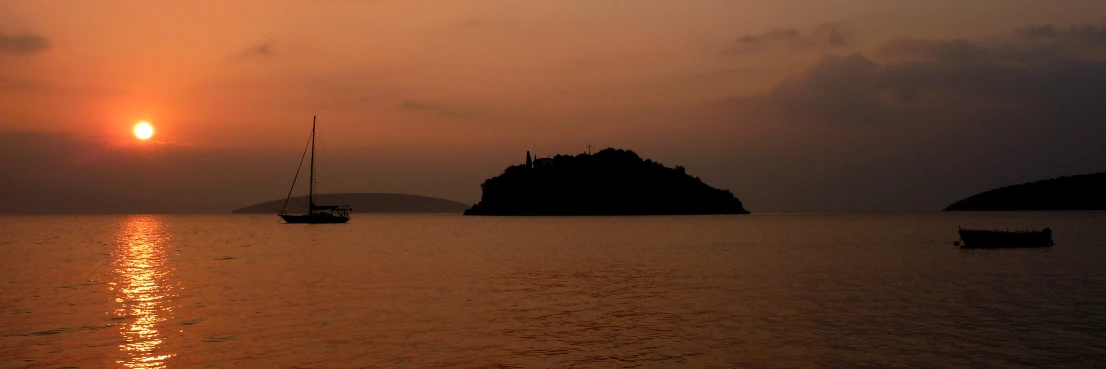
316, 214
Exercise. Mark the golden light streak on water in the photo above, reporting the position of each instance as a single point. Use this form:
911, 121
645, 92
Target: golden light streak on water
142, 291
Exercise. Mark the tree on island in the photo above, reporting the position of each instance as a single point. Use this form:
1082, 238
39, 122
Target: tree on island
609, 182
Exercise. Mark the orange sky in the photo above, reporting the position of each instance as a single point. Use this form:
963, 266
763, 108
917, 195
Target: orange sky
463, 85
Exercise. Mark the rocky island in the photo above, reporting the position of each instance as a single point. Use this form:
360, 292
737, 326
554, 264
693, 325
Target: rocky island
1081, 192
609, 182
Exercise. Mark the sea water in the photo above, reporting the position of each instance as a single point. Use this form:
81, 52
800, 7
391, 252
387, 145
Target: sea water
758, 291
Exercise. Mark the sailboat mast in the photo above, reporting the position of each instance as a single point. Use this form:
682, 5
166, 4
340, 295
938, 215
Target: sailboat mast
311, 181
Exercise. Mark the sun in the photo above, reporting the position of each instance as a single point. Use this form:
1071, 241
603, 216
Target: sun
143, 130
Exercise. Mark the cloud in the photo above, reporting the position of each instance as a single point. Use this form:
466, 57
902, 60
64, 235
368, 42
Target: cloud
17, 84
61, 173
491, 23
264, 50
26, 44
58, 173
943, 118
825, 35
435, 109
1054, 81
1086, 34
1034, 31
1028, 46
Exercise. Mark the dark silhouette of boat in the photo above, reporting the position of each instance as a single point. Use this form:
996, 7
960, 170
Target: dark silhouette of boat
316, 214
995, 239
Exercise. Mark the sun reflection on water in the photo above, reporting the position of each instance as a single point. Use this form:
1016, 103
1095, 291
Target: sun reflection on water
142, 291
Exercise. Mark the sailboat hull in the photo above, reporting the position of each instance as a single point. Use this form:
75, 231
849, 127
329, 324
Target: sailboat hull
313, 219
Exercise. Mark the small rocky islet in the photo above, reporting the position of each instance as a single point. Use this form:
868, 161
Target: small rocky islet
608, 182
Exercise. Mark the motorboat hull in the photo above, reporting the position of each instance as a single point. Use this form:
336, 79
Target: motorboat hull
991, 239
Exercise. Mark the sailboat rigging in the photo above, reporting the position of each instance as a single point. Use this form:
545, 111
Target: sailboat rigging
315, 213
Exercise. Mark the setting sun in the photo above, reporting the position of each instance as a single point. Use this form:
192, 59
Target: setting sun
143, 130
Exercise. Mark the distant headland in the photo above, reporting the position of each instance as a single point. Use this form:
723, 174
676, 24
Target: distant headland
609, 182
364, 203
1081, 192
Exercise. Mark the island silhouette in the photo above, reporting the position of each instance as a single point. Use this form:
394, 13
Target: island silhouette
1080, 192
608, 182
364, 203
